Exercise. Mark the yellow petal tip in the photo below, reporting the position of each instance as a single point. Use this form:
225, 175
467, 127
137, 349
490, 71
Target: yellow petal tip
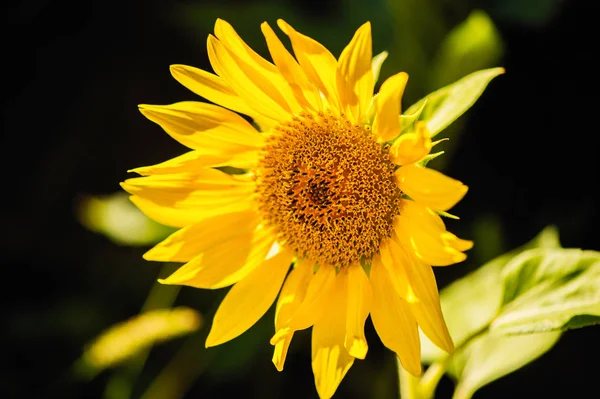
413, 367
357, 348
211, 341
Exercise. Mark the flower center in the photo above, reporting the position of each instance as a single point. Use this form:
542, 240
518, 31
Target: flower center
327, 189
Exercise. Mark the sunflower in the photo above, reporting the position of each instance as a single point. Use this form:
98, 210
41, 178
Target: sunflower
322, 198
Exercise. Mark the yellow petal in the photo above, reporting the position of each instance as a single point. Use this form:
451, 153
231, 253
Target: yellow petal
422, 230
249, 300
199, 125
354, 76
211, 87
226, 262
188, 242
258, 89
330, 360
395, 271
427, 310
281, 341
198, 159
411, 147
292, 294
359, 305
386, 125
234, 43
303, 90
291, 297
457, 243
318, 63
300, 311
182, 199
315, 302
229, 37
393, 320
430, 187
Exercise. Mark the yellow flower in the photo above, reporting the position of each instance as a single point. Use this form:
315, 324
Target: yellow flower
330, 211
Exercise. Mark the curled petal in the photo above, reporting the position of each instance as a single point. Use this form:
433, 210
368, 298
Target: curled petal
411, 147
291, 297
430, 187
422, 230
386, 125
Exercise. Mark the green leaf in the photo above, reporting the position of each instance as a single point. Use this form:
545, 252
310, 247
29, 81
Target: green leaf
376, 64
472, 45
470, 303
514, 309
550, 289
491, 356
445, 105
408, 119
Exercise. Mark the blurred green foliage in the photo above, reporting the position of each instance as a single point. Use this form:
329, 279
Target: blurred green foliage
115, 217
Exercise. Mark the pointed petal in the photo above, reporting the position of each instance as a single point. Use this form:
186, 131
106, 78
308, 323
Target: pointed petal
305, 93
249, 300
226, 262
234, 43
354, 76
411, 147
318, 63
293, 294
330, 360
359, 305
430, 187
230, 38
211, 87
187, 243
198, 125
198, 159
427, 310
315, 302
386, 125
186, 198
393, 320
263, 92
421, 229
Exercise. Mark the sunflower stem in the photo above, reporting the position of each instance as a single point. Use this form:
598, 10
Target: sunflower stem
408, 383
423, 387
